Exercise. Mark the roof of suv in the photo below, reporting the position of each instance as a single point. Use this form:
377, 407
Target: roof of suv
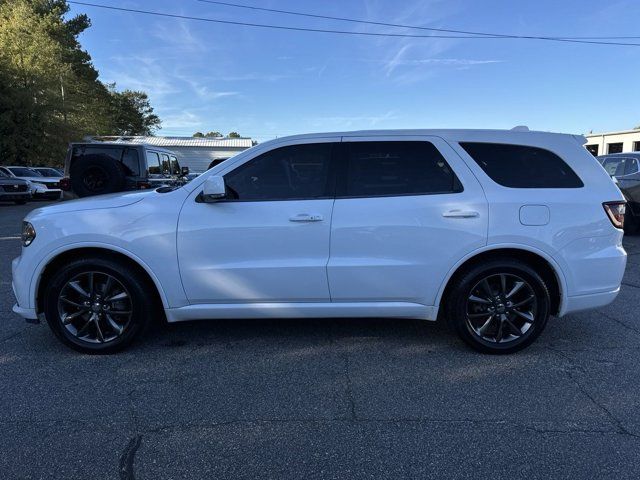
488, 134
121, 144
621, 154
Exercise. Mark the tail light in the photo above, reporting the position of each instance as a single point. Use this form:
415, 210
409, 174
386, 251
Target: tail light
615, 212
65, 184
143, 185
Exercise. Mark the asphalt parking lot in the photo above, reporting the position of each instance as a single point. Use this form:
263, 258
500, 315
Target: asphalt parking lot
330, 399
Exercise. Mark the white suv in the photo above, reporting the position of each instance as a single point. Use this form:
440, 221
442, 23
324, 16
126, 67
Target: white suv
493, 231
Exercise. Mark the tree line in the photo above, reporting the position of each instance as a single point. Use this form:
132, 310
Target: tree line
50, 93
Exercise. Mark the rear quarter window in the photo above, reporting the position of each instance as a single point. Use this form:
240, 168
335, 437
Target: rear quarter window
521, 166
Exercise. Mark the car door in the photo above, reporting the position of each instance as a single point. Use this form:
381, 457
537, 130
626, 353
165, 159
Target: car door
268, 241
629, 181
406, 210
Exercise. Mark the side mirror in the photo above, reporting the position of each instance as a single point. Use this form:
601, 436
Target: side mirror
214, 189
185, 171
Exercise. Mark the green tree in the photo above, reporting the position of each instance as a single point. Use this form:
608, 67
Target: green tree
213, 134
132, 113
233, 135
50, 93
198, 135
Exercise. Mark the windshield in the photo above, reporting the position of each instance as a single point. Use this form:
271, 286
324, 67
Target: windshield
24, 172
2, 174
49, 172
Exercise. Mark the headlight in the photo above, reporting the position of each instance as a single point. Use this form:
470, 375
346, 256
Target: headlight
28, 234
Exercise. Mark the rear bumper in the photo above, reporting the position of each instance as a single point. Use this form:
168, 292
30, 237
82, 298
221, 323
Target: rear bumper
588, 302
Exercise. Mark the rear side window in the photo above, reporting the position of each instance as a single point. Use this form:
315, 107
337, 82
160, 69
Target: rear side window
520, 166
115, 153
396, 168
130, 161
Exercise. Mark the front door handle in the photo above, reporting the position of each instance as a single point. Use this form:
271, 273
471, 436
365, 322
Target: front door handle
460, 214
306, 217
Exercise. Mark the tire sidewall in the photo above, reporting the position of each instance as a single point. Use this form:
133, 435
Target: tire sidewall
141, 306
112, 168
457, 311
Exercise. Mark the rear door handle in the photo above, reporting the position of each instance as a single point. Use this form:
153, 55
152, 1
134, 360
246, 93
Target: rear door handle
460, 214
306, 217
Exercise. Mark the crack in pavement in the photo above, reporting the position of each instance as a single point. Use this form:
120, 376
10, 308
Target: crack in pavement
128, 458
613, 419
618, 322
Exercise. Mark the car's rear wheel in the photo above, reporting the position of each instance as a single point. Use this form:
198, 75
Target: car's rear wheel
98, 305
500, 306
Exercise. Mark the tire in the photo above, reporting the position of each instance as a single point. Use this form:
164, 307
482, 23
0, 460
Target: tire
96, 175
20, 202
134, 296
468, 313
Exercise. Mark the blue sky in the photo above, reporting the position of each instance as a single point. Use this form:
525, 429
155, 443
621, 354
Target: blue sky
266, 83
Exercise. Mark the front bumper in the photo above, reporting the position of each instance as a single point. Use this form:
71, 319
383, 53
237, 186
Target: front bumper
50, 194
28, 314
10, 197
20, 283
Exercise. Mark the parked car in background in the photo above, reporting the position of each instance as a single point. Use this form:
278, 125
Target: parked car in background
95, 168
492, 231
45, 188
49, 172
625, 168
14, 189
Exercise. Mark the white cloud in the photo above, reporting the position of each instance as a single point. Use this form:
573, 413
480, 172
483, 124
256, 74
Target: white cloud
348, 122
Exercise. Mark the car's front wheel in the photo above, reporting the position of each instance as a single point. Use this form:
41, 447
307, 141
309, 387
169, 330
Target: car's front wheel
500, 306
98, 305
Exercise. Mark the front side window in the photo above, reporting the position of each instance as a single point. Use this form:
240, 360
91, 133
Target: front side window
520, 166
396, 168
166, 164
175, 166
286, 173
153, 161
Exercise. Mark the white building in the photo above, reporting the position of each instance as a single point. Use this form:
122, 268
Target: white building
613, 142
197, 153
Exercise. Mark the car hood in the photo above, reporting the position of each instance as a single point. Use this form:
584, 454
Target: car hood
110, 200
41, 179
12, 181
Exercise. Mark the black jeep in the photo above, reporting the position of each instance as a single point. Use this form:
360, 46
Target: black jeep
94, 168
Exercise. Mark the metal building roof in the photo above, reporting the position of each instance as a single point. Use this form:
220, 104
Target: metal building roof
169, 142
